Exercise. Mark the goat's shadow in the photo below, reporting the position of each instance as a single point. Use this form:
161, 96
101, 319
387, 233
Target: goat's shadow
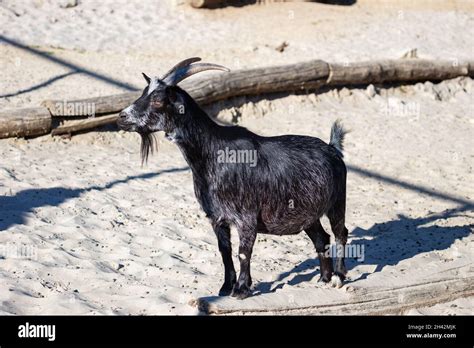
14, 209
384, 244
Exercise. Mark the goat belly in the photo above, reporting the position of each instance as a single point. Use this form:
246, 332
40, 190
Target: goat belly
282, 225
279, 230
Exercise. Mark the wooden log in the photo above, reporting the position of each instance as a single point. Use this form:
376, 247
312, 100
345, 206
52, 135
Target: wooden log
470, 65
206, 3
216, 3
310, 76
24, 122
396, 71
90, 106
360, 298
71, 126
301, 76
287, 78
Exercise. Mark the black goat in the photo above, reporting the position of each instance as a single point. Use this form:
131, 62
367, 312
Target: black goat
291, 182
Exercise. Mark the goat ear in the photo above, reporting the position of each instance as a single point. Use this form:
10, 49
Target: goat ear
171, 93
146, 78
175, 100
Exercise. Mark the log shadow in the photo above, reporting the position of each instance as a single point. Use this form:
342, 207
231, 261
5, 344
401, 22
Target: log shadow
384, 244
14, 209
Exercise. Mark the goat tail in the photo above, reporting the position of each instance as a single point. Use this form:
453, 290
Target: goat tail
338, 134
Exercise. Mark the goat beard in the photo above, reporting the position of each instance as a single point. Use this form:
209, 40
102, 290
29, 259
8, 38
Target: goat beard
148, 145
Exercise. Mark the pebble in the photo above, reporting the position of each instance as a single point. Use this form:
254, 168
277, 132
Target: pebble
68, 3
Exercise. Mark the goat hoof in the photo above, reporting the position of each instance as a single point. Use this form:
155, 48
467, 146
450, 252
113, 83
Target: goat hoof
325, 278
336, 281
225, 290
241, 293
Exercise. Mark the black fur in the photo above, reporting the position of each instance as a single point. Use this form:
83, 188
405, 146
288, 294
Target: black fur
337, 136
296, 180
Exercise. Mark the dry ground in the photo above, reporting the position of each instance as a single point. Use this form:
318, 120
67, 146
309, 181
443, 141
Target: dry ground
108, 236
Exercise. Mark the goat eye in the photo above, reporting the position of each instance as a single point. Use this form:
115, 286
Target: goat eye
157, 103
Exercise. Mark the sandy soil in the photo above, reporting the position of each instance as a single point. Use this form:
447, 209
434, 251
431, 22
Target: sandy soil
84, 229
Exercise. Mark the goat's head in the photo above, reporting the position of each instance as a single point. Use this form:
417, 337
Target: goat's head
160, 107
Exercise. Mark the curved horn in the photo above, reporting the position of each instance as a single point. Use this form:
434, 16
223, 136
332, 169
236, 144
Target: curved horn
182, 64
185, 71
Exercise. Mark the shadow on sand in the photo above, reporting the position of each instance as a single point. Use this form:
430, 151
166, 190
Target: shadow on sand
13, 209
384, 244
74, 69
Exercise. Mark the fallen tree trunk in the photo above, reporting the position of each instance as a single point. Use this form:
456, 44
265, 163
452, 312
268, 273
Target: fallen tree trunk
206, 3
290, 78
217, 3
99, 105
71, 126
287, 78
24, 122
395, 71
309, 75
359, 298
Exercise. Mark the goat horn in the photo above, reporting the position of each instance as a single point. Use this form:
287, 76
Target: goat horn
182, 64
185, 71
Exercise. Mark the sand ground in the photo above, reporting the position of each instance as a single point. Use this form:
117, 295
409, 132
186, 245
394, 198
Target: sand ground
86, 230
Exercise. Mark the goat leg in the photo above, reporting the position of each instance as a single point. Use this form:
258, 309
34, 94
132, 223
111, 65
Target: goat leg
321, 240
336, 218
247, 238
222, 231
